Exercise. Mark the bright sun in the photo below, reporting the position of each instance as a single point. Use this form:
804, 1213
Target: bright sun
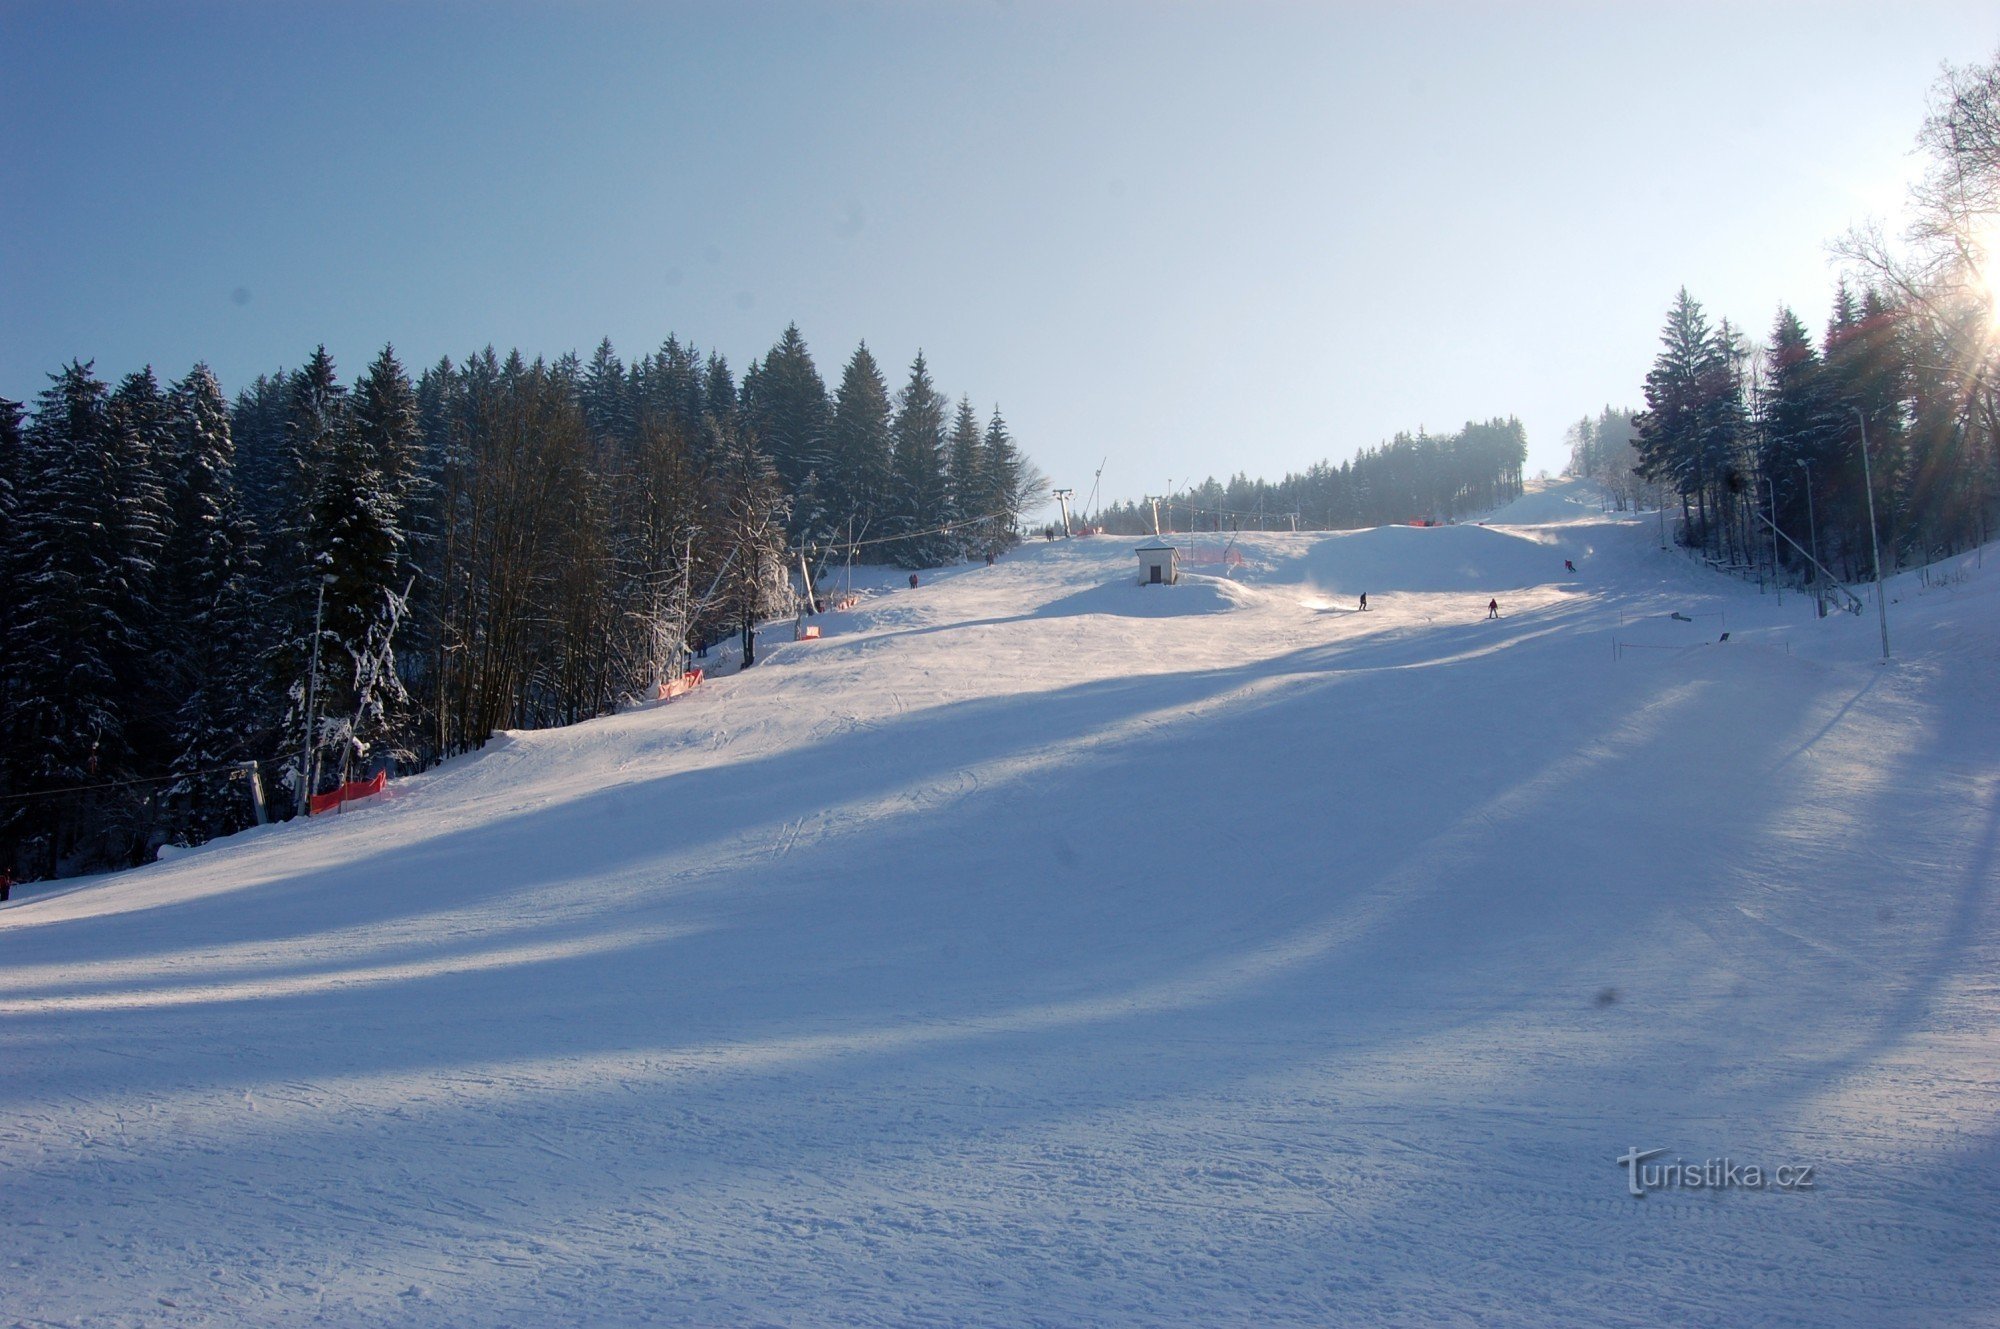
1986, 252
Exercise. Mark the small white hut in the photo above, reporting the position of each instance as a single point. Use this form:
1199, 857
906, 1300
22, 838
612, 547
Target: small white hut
1159, 564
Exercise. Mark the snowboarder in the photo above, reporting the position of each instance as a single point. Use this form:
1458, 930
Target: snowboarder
1364, 602
1568, 565
1493, 608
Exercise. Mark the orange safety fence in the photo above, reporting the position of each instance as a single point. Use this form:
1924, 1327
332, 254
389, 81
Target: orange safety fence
348, 792
681, 686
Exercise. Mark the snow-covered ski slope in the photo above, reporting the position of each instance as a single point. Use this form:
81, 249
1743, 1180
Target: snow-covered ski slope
1038, 948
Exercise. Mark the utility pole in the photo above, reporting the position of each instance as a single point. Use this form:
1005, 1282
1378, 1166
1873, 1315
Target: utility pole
1874, 543
1062, 498
1777, 582
306, 763
1812, 529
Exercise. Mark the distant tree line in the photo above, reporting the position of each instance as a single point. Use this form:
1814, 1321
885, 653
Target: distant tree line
326, 578
1422, 476
1909, 361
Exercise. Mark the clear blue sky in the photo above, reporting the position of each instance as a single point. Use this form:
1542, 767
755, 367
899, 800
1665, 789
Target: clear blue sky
1196, 238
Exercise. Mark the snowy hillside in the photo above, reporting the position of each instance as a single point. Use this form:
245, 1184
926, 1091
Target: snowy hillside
1042, 948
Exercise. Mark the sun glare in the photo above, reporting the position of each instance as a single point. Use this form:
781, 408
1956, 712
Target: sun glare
1986, 254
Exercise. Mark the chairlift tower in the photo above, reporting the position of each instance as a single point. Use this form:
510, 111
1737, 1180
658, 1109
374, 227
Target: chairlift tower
1090, 504
1062, 498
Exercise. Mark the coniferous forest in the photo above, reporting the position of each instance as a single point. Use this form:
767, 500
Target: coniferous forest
332, 578
1423, 476
1893, 410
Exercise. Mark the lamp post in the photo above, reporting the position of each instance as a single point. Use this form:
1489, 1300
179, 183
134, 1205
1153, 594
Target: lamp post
1812, 526
1874, 544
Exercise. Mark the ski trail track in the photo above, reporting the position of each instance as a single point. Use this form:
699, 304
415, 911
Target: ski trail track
1038, 948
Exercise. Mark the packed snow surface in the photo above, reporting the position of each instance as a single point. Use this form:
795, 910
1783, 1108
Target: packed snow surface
1038, 947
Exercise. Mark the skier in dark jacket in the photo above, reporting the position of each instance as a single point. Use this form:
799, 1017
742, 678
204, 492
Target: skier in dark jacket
1364, 602
1493, 608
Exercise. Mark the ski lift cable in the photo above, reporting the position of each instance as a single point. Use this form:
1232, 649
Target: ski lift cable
909, 535
120, 784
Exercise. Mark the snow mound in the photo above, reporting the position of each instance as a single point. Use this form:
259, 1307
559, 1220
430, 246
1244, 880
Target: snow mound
1400, 559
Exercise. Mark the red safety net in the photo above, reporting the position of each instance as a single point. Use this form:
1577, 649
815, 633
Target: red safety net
681, 686
353, 789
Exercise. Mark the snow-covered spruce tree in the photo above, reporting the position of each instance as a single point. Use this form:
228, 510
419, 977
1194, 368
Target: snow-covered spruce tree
257, 425
963, 496
920, 494
863, 447
666, 389
66, 711
386, 473
316, 427
1694, 415
607, 397
1794, 437
785, 405
142, 447
718, 396
354, 461
209, 600
1009, 483
1730, 446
